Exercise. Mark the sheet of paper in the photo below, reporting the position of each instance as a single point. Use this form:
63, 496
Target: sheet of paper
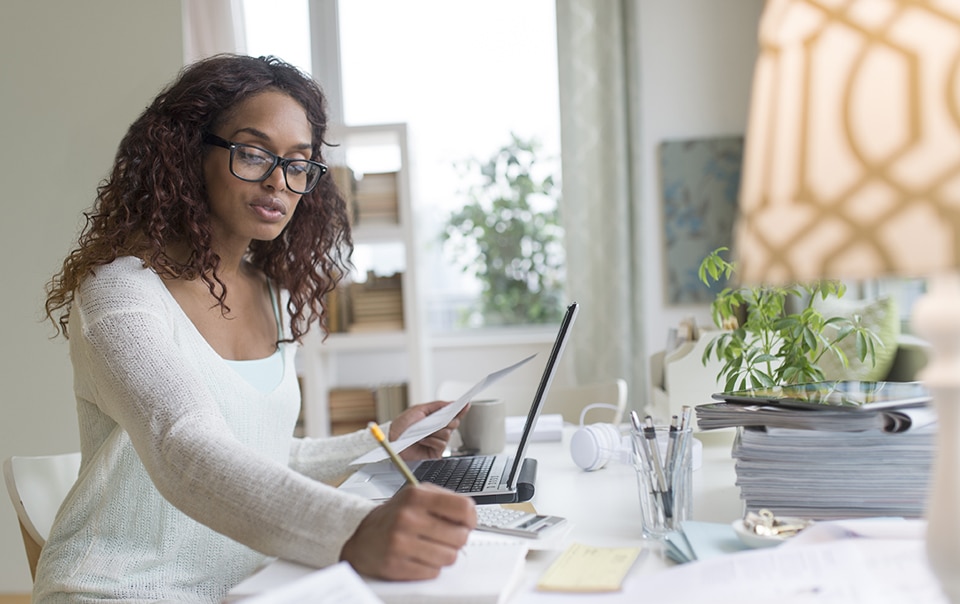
441, 418
877, 571
583, 568
339, 583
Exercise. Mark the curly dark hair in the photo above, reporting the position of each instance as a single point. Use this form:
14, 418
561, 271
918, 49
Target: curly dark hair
155, 196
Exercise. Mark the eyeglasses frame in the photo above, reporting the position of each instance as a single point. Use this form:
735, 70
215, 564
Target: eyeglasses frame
212, 139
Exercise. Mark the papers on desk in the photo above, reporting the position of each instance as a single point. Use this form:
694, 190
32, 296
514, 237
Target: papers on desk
825, 475
877, 571
486, 572
339, 583
587, 569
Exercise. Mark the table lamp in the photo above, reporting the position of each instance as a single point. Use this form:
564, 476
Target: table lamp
852, 171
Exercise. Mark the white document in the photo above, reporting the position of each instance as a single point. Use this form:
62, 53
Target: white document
487, 571
846, 571
333, 585
441, 418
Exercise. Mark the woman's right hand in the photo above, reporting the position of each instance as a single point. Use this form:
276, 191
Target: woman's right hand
413, 535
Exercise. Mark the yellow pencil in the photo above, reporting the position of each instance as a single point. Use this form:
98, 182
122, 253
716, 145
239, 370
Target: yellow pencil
378, 434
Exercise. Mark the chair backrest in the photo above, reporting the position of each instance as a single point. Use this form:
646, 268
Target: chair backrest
568, 401
37, 487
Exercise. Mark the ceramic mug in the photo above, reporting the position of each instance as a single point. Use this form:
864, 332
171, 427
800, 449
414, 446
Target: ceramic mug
483, 429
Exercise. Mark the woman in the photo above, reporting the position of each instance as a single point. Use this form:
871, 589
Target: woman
205, 259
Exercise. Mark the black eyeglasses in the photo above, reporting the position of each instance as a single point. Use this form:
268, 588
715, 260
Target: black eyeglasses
254, 164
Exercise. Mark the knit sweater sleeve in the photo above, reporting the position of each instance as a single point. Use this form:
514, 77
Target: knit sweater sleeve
131, 359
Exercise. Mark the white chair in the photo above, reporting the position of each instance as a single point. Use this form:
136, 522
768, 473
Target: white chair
37, 486
568, 401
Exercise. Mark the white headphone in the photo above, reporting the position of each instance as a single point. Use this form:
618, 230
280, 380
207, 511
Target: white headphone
591, 447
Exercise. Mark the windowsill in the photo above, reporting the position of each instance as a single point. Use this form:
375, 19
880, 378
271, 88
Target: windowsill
494, 336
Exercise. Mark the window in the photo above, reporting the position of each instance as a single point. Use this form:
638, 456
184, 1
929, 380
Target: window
466, 77
279, 29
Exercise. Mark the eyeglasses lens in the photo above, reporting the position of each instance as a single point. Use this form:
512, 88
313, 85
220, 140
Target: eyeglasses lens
254, 164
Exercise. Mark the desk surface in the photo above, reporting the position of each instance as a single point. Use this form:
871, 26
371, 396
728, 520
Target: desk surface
603, 510
603, 507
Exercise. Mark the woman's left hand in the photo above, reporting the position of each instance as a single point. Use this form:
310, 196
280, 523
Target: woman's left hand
429, 447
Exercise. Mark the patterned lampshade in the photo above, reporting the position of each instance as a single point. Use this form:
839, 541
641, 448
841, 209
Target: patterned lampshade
852, 158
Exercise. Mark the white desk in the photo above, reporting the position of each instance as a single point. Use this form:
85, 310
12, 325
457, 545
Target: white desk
604, 509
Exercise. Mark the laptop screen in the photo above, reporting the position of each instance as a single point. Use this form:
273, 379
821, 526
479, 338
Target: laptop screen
541, 395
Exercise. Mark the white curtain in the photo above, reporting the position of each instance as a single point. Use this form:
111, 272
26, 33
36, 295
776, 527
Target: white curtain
211, 27
599, 92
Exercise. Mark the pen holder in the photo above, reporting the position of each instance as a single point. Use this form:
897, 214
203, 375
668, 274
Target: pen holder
663, 462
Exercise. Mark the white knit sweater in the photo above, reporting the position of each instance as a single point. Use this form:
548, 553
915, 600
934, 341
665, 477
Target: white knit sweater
188, 471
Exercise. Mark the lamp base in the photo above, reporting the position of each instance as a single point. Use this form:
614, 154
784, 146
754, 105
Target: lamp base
936, 316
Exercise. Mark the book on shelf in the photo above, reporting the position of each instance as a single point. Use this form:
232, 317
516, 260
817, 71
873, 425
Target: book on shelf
345, 182
351, 409
338, 309
372, 305
376, 304
391, 401
376, 197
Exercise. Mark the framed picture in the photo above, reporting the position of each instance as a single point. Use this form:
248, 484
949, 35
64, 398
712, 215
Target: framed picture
700, 183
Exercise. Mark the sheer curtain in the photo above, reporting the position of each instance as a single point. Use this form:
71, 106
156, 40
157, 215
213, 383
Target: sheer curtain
211, 27
599, 91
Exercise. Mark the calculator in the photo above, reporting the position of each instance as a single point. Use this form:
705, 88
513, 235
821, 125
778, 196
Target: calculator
498, 519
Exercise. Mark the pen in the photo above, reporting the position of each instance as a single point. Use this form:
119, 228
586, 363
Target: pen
644, 447
686, 415
651, 436
672, 448
378, 434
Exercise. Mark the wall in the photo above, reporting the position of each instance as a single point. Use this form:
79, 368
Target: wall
74, 75
696, 69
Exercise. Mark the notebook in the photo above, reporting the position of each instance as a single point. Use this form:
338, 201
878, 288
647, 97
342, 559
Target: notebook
502, 478
487, 571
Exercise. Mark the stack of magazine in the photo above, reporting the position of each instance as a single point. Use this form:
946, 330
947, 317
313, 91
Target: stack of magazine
830, 449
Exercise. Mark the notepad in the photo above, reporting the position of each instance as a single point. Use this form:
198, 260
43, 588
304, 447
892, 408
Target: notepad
487, 571
338, 583
583, 568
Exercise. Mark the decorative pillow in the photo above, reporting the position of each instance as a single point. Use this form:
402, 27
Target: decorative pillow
882, 316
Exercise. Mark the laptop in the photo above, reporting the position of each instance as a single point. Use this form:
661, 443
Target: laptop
500, 478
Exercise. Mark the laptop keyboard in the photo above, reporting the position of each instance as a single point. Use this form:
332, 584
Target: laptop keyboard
460, 474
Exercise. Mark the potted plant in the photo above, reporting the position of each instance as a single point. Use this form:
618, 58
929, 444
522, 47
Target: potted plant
764, 343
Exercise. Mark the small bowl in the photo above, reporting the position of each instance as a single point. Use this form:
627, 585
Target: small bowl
751, 539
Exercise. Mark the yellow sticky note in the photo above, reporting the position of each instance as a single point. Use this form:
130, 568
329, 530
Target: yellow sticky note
584, 568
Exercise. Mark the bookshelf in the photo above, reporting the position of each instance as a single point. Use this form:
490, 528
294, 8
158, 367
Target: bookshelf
376, 351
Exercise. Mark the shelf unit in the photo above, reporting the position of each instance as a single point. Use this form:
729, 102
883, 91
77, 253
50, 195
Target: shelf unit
370, 358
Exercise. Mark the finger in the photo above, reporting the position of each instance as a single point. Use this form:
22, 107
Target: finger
410, 557
437, 553
443, 503
432, 407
